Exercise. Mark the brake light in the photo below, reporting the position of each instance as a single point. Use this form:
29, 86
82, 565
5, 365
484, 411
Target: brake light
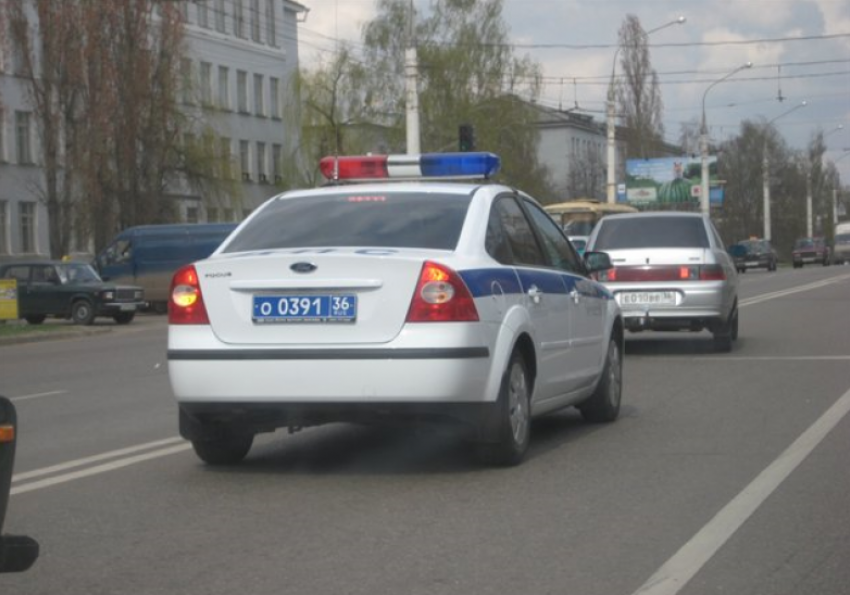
441, 296
712, 272
186, 303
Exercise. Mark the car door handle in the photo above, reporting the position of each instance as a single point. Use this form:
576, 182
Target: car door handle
575, 295
535, 294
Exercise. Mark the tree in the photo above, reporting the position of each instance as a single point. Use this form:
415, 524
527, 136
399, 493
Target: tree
741, 159
638, 93
468, 74
103, 80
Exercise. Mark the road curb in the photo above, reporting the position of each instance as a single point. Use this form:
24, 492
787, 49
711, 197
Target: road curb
37, 337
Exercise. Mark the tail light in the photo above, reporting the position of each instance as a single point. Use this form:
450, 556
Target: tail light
185, 301
650, 273
441, 296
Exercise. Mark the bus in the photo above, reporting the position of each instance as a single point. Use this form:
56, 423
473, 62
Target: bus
578, 217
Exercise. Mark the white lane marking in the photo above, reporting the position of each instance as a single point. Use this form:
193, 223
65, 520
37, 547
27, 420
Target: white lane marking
93, 459
778, 294
778, 358
681, 568
105, 468
38, 395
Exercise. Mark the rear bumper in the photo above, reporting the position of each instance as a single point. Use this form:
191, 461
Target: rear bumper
203, 421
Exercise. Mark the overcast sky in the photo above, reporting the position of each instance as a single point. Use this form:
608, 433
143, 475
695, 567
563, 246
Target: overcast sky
800, 50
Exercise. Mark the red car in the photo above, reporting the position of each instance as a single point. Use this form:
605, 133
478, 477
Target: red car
810, 251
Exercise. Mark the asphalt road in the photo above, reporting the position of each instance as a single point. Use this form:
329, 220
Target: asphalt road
725, 474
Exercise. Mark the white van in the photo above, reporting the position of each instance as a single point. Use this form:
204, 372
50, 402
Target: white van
841, 245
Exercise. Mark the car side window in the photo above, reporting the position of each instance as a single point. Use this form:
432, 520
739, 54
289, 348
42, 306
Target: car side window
519, 233
44, 275
496, 243
21, 273
558, 248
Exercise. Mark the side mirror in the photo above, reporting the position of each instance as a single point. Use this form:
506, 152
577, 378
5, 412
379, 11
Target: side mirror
17, 553
597, 261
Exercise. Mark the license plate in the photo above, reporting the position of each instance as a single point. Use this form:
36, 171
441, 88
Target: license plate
640, 298
127, 307
304, 308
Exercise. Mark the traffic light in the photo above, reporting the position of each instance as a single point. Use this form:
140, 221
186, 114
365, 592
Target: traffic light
466, 137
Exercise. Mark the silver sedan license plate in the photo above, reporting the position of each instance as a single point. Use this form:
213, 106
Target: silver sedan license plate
642, 298
304, 308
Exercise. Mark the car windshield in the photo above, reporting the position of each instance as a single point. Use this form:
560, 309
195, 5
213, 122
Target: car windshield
77, 273
389, 218
651, 232
805, 243
738, 250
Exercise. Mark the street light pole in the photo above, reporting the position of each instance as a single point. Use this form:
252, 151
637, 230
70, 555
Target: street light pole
704, 203
766, 173
809, 230
611, 178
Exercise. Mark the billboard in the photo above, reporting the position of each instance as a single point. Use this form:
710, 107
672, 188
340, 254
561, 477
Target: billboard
8, 299
669, 180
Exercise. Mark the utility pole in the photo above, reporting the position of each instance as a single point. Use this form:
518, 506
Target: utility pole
411, 69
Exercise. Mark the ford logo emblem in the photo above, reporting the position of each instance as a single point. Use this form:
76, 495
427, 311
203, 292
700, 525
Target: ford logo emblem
303, 267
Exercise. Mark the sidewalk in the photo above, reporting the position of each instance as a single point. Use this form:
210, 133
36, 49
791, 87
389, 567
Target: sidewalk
69, 330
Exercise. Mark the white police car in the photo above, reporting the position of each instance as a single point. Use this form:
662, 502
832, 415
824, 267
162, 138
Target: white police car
393, 301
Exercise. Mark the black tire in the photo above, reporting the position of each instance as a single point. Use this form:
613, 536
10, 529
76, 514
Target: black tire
124, 317
772, 267
35, 318
797, 265
509, 442
82, 312
726, 333
227, 450
603, 406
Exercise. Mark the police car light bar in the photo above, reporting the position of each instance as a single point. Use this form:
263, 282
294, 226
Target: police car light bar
429, 165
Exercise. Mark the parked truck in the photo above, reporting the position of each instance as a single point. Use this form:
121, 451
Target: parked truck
149, 255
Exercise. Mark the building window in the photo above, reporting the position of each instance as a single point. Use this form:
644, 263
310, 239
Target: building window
26, 211
4, 234
186, 80
224, 155
224, 87
242, 91
212, 215
261, 163
277, 155
228, 215
259, 108
238, 19
183, 7
23, 147
203, 14
2, 135
219, 16
271, 26
274, 97
245, 160
255, 20
191, 214
206, 83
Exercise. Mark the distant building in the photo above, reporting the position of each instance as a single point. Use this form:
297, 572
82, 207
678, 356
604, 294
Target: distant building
241, 56
574, 148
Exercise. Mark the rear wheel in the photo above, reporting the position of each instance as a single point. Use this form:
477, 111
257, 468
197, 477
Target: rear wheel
603, 406
726, 333
226, 450
35, 318
82, 312
513, 428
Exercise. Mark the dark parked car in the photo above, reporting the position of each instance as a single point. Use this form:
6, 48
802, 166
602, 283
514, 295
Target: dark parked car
811, 251
70, 290
753, 254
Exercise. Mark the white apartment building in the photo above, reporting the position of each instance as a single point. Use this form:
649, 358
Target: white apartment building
242, 54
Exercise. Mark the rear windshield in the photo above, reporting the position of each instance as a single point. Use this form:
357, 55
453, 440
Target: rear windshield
350, 218
843, 238
651, 232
